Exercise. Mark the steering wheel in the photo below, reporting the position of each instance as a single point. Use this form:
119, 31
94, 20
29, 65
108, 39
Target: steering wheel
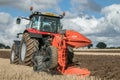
47, 27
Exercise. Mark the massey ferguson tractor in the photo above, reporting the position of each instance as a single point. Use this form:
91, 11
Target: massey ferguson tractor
46, 47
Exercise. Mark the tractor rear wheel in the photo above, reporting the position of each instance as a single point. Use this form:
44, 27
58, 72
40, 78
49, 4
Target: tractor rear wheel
14, 58
27, 47
46, 60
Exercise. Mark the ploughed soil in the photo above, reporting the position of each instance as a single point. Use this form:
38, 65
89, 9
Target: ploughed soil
103, 66
5, 54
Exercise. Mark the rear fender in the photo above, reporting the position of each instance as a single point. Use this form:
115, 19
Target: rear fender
33, 34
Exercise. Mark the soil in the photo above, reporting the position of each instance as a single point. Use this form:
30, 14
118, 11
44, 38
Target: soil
5, 54
103, 66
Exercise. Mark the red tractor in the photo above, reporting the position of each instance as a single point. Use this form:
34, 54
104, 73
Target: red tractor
46, 47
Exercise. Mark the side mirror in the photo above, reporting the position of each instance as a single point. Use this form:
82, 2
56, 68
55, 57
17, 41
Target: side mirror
18, 34
18, 21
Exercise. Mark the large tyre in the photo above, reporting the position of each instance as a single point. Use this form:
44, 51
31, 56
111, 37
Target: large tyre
53, 53
27, 47
14, 58
46, 59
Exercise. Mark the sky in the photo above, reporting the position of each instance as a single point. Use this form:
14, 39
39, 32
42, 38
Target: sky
99, 20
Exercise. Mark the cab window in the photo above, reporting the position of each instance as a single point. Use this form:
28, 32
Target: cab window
36, 22
49, 24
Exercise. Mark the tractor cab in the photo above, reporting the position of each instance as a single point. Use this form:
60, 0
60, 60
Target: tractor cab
47, 22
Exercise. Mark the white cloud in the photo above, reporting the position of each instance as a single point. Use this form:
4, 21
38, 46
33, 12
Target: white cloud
25, 4
8, 28
81, 24
112, 16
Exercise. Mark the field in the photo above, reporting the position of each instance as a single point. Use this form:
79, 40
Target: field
102, 67
4, 53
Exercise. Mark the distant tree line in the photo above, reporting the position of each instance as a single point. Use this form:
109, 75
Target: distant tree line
102, 45
3, 46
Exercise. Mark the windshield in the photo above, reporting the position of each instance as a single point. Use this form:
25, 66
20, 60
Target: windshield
45, 23
50, 24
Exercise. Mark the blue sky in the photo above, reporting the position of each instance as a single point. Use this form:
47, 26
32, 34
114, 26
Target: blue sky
65, 5
96, 19
104, 3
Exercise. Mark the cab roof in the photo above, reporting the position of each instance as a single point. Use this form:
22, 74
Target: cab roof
45, 14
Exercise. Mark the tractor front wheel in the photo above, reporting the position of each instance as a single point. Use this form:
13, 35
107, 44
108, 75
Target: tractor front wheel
14, 58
